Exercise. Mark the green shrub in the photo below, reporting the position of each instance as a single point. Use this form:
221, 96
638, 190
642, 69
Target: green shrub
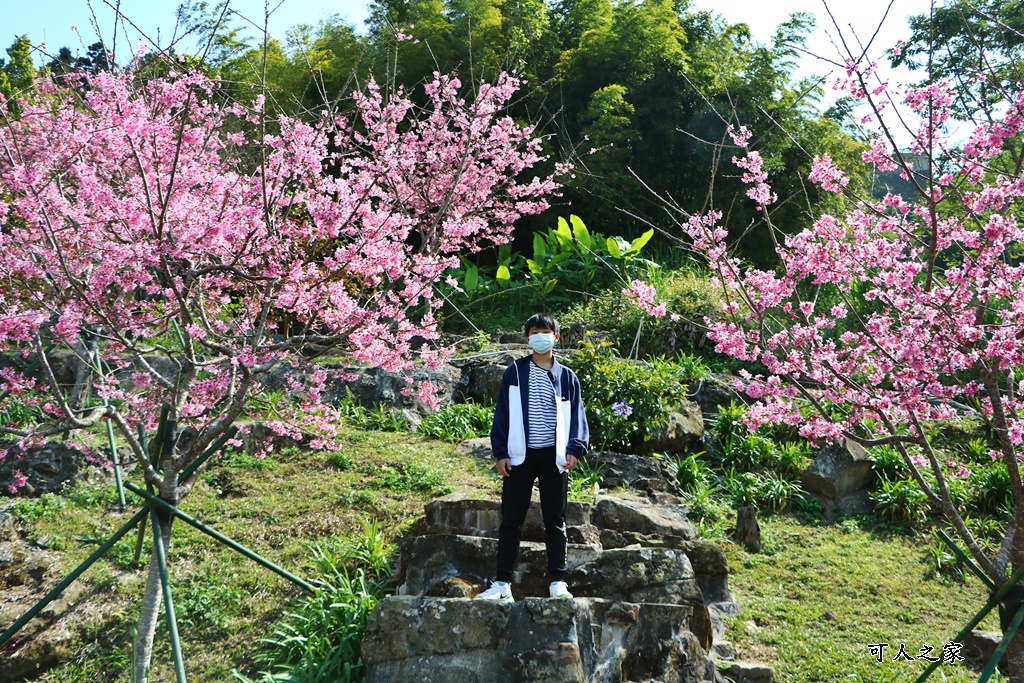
459, 421
412, 476
737, 447
942, 561
19, 412
320, 640
380, 419
901, 500
770, 491
687, 294
625, 400
567, 261
749, 453
976, 451
31, 510
887, 463
993, 493
704, 500
369, 551
340, 460
690, 471
727, 426
584, 481
791, 457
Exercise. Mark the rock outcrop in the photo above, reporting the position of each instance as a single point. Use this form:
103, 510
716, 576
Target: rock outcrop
651, 596
839, 477
558, 641
48, 469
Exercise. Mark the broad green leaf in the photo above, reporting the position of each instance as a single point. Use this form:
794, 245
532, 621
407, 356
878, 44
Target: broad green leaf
540, 249
472, 279
580, 232
534, 268
640, 241
563, 229
504, 253
503, 273
613, 248
550, 285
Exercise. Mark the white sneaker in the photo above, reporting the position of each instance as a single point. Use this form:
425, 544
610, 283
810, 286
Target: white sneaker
558, 589
499, 591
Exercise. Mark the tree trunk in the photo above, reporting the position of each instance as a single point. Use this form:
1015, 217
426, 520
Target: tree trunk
1015, 658
150, 610
85, 353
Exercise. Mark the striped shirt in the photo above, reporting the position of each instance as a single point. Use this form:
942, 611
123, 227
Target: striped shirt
541, 407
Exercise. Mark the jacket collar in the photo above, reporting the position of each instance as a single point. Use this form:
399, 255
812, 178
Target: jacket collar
555, 371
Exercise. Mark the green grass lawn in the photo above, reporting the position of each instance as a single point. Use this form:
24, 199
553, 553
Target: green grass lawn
818, 595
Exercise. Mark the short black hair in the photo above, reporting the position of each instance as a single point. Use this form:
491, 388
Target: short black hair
541, 321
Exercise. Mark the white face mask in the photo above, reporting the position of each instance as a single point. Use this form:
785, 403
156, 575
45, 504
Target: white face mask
541, 342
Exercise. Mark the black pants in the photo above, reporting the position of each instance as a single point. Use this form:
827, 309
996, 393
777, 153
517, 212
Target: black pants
516, 491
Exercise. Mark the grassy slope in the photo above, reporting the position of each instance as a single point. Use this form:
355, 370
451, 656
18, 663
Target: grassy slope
225, 602
817, 596
813, 599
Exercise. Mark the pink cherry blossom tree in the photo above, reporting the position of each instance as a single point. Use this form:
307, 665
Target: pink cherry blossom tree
192, 252
900, 311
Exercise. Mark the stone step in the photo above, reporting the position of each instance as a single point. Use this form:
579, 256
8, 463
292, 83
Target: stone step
454, 515
460, 566
559, 641
623, 519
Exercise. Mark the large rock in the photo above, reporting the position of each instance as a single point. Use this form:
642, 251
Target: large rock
36, 656
656, 575
631, 515
8, 530
259, 436
583, 640
22, 564
376, 386
635, 472
749, 672
684, 431
49, 468
714, 392
981, 645
838, 470
483, 375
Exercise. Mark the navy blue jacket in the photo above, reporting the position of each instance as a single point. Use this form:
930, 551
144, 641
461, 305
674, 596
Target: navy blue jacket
511, 428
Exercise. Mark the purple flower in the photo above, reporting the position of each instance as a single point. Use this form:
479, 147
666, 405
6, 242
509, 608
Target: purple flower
622, 409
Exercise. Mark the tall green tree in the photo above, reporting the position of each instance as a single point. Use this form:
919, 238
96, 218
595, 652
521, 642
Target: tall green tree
976, 44
17, 74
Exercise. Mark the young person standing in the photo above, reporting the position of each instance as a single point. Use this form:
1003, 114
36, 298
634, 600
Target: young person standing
539, 433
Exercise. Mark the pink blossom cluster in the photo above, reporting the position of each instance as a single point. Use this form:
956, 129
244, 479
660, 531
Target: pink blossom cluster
919, 312
202, 247
641, 294
760, 191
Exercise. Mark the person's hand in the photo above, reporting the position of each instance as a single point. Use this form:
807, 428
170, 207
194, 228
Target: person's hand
570, 462
505, 467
